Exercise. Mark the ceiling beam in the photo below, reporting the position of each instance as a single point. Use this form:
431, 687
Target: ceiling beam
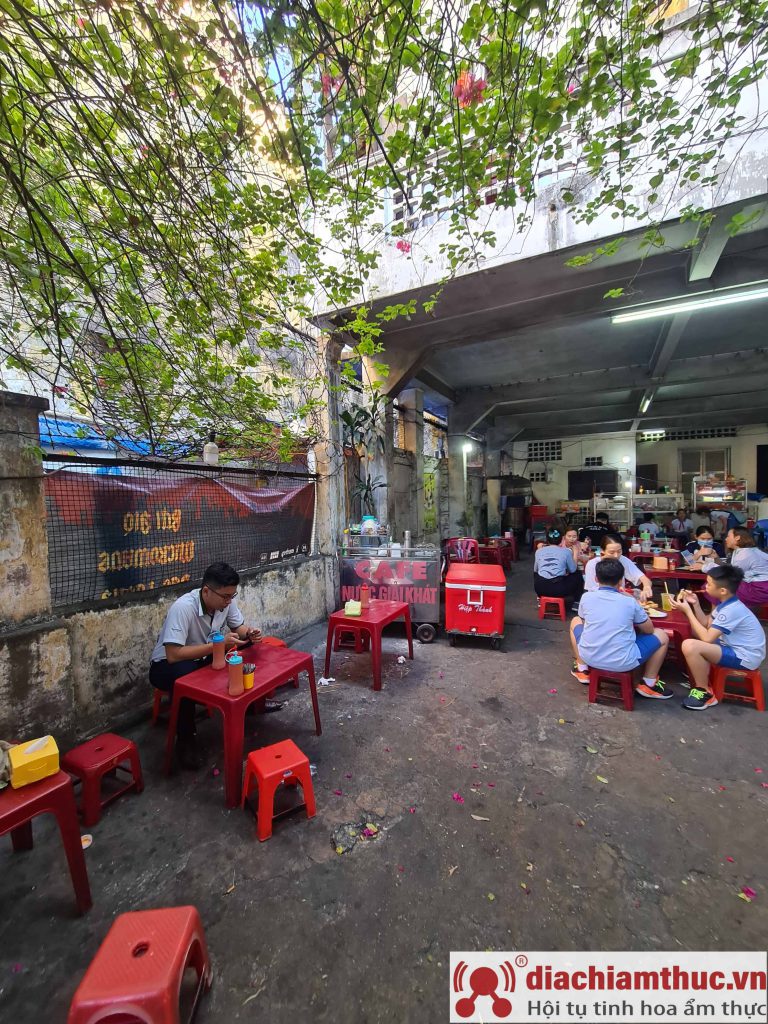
669, 336
436, 384
705, 258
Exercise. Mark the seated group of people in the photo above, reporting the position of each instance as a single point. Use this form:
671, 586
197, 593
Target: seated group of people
613, 630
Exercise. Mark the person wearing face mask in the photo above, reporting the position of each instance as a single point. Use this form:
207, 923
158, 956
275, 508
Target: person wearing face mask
704, 548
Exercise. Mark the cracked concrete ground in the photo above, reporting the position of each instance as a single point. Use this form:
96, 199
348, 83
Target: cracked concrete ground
564, 862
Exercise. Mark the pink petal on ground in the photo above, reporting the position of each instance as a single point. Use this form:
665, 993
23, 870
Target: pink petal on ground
347, 776
441, 675
551, 691
459, 746
216, 771
721, 788
457, 797
400, 867
337, 792
442, 700
16, 969
412, 810
758, 771
386, 750
749, 893
764, 785
475, 765
491, 785
730, 860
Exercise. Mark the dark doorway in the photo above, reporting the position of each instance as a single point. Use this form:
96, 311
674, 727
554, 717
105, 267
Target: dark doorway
647, 477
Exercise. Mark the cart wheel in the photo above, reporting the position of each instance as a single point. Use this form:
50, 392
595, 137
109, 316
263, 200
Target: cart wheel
495, 643
452, 641
426, 633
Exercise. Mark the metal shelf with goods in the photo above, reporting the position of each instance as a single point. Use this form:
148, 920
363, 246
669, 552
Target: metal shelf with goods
617, 507
656, 503
575, 513
728, 494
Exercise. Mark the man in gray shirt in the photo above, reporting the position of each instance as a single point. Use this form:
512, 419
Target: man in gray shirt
184, 644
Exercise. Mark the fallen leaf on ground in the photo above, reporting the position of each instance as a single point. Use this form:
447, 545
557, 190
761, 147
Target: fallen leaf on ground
457, 797
230, 889
491, 897
580, 823
452, 870
671, 799
348, 775
590, 750
730, 860
386, 750
601, 779
552, 691
524, 887
748, 893
491, 785
561, 721
682, 740
478, 817
337, 792
475, 765
529, 866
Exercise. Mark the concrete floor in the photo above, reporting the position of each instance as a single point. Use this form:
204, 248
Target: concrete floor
298, 932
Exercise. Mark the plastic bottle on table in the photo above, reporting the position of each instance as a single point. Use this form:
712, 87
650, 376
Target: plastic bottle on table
235, 678
365, 596
217, 639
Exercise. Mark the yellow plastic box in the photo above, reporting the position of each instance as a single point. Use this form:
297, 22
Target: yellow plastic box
33, 761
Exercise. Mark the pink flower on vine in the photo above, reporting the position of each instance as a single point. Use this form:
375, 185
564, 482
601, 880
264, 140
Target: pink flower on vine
469, 90
403, 246
329, 84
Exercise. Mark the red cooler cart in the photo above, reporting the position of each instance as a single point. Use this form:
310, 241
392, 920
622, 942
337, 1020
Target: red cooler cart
474, 602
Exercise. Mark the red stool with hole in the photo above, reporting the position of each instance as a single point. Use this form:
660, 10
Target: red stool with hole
91, 761
748, 683
552, 608
270, 766
623, 679
138, 971
359, 639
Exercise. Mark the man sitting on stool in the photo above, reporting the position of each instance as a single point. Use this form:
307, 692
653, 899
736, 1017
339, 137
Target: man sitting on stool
613, 631
184, 645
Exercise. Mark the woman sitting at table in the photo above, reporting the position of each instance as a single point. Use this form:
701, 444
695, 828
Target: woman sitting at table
747, 556
610, 547
580, 549
554, 570
705, 548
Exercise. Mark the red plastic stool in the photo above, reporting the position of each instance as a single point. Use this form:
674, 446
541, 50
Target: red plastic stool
749, 681
138, 971
557, 609
280, 762
360, 639
91, 761
623, 679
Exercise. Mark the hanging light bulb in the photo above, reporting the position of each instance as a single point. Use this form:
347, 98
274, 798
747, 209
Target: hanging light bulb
211, 451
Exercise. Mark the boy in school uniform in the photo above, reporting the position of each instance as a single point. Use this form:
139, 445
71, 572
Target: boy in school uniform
612, 631
731, 636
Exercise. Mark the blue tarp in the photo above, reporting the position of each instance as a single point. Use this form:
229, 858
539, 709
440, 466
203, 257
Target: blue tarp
64, 433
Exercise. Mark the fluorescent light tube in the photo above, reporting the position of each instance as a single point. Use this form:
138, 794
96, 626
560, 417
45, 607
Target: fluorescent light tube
690, 305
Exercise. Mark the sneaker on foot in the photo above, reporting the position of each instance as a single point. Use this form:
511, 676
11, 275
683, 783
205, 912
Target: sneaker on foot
699, 700
656, 692
583, 677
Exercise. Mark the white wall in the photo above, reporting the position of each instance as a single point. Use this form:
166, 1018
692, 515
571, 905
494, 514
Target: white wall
613, 448
743, 453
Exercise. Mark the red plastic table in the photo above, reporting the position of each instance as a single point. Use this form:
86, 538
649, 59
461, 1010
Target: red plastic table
54, 795
372, 621
648, 556
491, 554
208, 686
684, 575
